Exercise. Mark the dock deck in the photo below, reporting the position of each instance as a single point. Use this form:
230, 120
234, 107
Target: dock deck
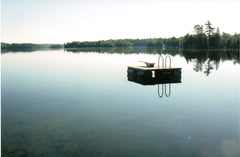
153, 75
155, 68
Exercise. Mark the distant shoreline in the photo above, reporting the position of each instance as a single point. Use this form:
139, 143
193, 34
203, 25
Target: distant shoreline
28, 46
129, 49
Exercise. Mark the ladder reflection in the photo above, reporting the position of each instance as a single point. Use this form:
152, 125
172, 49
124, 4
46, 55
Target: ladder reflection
164, 90
163, 83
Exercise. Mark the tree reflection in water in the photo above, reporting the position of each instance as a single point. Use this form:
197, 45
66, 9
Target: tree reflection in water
207, 60
204, 60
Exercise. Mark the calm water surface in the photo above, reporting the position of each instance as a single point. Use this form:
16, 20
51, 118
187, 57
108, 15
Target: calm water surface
65, 104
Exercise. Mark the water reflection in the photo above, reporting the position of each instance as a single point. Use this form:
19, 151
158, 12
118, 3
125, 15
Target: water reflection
204, 60
127, 50
163, 83
164, 90
53, 105
154, 80
190, 54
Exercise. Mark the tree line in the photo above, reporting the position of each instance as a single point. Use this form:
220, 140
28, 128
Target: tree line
108, 43
209, 37
13, 47
204, 37
27, 46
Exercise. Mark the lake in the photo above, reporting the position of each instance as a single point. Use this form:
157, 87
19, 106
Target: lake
65, 103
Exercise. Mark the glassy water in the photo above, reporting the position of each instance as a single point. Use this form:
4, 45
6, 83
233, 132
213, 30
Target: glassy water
80, 103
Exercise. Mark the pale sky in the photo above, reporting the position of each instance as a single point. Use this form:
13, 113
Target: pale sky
59, 21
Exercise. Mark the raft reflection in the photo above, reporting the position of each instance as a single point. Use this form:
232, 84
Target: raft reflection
164, 82
163, 79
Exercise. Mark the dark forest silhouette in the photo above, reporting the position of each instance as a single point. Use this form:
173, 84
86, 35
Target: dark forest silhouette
204, 37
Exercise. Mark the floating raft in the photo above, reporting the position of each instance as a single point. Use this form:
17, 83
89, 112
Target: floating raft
154, 75
150, 74
155, 68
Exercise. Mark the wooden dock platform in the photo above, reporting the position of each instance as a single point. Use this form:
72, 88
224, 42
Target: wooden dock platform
154, 75
158, 70
151, 74
155, 68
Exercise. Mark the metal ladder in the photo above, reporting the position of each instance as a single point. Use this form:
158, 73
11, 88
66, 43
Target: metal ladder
164, 66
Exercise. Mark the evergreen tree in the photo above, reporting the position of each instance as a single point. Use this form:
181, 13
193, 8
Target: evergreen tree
198, 29
209, 29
